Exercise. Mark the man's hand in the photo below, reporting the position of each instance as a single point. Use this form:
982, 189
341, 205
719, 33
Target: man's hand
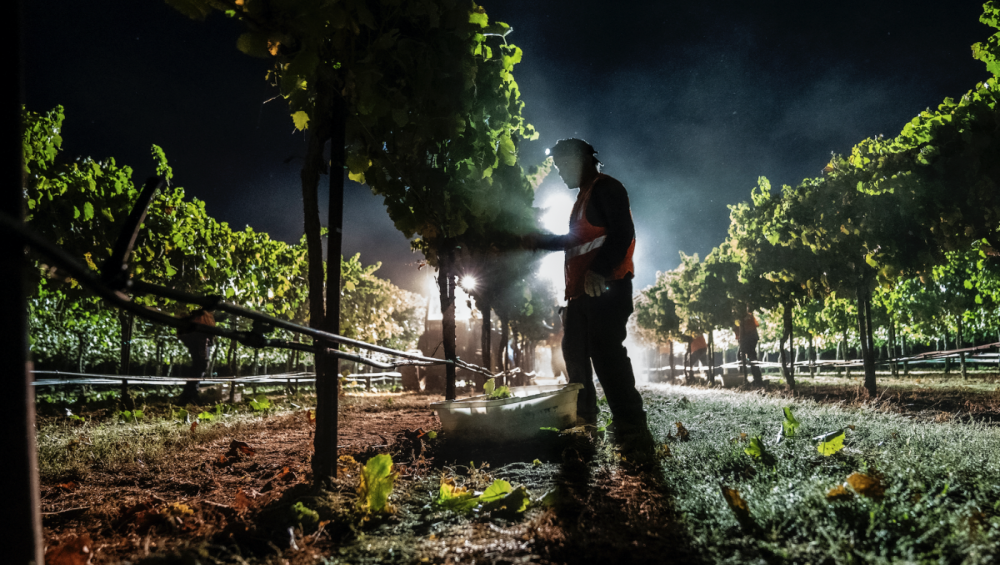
594, 284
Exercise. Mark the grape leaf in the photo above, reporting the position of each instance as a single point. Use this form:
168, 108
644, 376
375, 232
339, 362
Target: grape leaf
301, 120
790, 424
376, 484
831, 443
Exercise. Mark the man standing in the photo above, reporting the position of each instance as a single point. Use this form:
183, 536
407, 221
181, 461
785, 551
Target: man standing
747, 337
199, 345
599, 273
698, 352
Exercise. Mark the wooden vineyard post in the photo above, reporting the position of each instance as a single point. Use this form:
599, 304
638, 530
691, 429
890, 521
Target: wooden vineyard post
127, 322
328, 367
670, 356
22, 507
711, 356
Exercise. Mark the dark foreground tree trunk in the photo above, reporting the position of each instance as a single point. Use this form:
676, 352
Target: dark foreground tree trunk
446, 289
329, 122
486, 338
22, 507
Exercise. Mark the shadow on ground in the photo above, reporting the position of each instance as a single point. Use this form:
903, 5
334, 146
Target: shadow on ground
596, 508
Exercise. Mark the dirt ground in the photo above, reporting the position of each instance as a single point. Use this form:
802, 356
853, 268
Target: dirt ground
226, 502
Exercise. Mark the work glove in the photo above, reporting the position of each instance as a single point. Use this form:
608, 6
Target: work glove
594, 284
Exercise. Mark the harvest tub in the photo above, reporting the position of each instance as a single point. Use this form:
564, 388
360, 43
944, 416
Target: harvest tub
510, 419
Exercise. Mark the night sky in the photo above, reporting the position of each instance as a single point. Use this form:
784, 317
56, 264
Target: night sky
687, 103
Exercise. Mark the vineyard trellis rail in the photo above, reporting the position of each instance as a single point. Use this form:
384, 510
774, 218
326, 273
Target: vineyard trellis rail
112, 284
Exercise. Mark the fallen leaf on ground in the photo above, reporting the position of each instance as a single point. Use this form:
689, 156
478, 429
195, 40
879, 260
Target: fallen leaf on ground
142, 515
74, 551
839, 492
739, 506
376, 485
866, 485
831, 443
454, 497
756, 448
240, 448
286, 475
682, 432
789, 425
244, 500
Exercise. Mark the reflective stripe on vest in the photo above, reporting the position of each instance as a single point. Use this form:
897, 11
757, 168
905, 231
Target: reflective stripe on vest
586, 247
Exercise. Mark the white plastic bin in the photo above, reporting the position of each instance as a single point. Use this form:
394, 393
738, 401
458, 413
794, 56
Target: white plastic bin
510, 419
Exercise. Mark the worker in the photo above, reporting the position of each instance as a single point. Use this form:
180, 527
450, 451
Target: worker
599, 272
199, 345
699, 350
747, 338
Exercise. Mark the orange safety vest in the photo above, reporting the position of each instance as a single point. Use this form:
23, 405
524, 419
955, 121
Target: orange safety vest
586, 240
698, 343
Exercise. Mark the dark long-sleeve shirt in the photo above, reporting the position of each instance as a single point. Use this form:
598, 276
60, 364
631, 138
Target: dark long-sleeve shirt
608, 208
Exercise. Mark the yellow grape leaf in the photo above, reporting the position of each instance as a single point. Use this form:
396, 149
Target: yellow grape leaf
301, 120
830, 443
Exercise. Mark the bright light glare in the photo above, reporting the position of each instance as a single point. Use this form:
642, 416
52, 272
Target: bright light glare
462, 302
468, 282
557, 208
551, 271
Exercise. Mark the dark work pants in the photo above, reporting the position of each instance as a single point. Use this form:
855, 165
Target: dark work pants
595, 330
199, 345
749, 353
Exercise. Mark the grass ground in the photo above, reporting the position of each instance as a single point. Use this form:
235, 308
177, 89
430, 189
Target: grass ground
933, 493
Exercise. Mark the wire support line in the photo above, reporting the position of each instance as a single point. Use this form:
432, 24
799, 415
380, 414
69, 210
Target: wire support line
254, 338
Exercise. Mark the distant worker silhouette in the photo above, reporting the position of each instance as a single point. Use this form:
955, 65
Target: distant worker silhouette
599, 272
747, 337
698, 349
199, 345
